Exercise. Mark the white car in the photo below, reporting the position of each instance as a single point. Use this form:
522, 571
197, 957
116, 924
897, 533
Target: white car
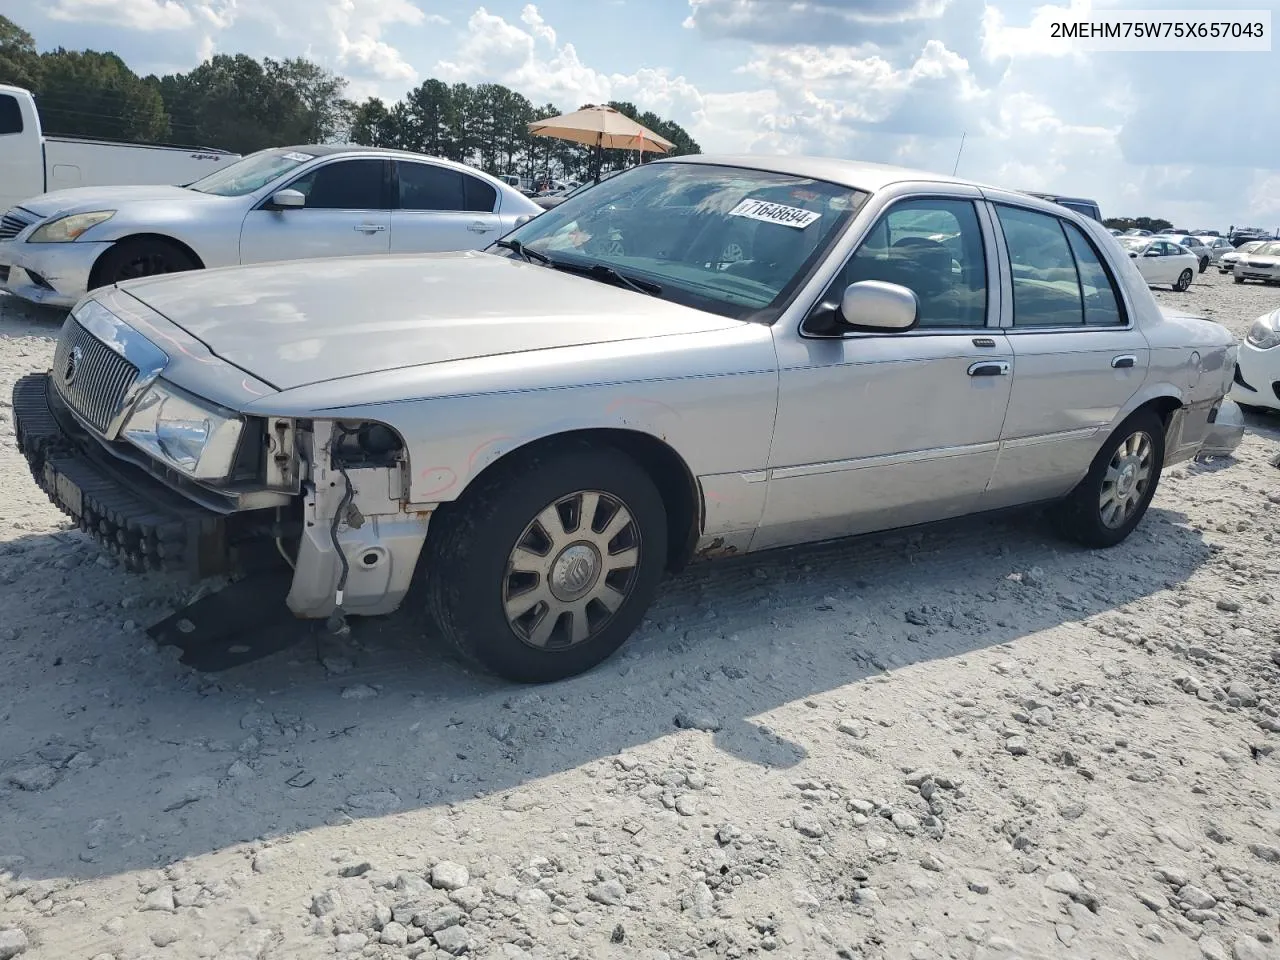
1191, 243
1257, 377
1261, 263
1228, 261
287, 203
1162, 261
1218, 247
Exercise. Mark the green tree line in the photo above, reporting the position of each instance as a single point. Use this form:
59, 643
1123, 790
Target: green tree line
242, 104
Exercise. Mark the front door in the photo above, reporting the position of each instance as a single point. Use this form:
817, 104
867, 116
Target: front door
883, 430
440, 208
347, 214
1078, 358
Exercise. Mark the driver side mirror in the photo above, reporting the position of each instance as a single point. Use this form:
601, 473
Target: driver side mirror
1134, 254
877, 305
288, 200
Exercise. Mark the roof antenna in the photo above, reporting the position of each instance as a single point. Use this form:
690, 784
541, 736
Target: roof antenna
958, 152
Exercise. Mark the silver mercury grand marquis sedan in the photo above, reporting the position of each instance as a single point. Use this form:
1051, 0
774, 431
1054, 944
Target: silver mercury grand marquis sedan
700, 357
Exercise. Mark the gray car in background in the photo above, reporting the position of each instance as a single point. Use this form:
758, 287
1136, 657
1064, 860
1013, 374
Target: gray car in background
288, 203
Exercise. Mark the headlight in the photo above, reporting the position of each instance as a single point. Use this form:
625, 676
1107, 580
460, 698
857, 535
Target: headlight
66, 229
1265, 332
191, 435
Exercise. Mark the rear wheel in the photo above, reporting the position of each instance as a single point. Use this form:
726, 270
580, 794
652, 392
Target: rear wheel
1204, 264
1184, 281
546, 568
144, 257
1113, 497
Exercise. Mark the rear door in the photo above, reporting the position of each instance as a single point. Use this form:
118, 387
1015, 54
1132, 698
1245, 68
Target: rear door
347, 214
440, 208
1078, 358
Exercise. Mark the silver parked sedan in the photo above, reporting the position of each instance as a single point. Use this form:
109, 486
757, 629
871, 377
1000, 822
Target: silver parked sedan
698, 358
280, 204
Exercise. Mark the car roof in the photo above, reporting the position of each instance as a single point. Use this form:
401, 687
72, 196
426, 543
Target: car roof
858, 174
334, 149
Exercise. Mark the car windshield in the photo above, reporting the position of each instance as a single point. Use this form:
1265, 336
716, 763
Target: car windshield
1137, 244
1268, 250
252, 173
730, 240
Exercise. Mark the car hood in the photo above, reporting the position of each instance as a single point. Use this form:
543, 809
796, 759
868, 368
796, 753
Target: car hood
1261, 260
308, 321
85, 199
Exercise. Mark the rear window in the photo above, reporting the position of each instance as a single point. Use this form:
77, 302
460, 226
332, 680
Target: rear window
10, 115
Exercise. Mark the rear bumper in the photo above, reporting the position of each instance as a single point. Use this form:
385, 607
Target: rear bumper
1226, 430
136, 518
56, 274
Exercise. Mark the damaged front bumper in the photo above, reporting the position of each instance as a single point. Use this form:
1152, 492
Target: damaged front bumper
135, 517
351, 542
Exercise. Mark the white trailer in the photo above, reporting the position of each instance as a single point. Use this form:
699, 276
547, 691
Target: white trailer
32, 163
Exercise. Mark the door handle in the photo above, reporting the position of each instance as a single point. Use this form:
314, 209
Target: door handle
370, 228
479, 227
990, 368
1124, 362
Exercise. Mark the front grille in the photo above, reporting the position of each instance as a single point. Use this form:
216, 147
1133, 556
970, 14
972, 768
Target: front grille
14, 222
92, 378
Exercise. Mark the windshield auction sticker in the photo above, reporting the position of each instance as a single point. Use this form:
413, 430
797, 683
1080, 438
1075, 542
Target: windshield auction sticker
775, 213
298, 157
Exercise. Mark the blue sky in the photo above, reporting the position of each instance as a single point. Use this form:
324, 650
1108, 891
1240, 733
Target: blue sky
1193, 137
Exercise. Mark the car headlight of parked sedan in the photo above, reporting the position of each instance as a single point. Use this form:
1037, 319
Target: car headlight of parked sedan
69, 228
1265, 332
193, 436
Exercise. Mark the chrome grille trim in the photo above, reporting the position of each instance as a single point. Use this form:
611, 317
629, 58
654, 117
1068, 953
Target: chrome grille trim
14, 222
91, 377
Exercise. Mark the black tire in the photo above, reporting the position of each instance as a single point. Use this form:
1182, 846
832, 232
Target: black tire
1184, 281
1238, 279
143, 257
1204, 264
466, 569
1080, 518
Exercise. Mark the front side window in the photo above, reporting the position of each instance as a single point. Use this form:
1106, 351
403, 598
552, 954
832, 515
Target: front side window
251, 173
1046, 289
934, 248
730, 240
10, 115
345, 185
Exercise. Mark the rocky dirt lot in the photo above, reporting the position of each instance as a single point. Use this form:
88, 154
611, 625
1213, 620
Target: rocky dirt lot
967, 743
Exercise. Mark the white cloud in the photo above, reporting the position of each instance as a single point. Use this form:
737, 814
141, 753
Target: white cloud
134, 14
787, 21
533, 20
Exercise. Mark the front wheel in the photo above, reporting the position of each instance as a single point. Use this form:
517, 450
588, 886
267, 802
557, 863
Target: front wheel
143, 257
1184, 281
545, 569
1238, 279
1114, 495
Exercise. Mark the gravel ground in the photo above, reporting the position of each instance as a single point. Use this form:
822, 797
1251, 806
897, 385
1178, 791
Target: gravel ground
969, 743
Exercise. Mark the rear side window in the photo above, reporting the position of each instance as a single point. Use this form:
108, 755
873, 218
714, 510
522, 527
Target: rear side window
10, 115
1046, 287
424, 186
1101, 300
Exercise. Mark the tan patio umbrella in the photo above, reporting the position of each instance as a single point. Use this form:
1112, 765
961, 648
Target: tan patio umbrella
601, 127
